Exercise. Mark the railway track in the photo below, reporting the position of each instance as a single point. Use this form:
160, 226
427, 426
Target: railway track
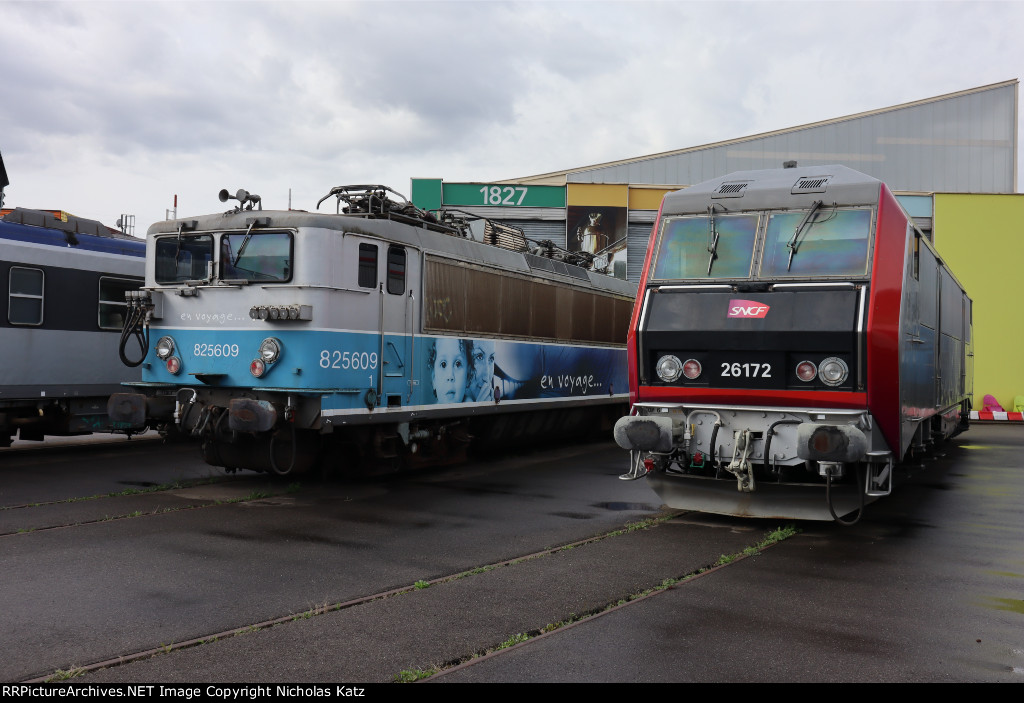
516, 578
146, 501
127, 566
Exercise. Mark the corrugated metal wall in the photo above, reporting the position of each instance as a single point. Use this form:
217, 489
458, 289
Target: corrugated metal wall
963, 143
537, 222
537, 229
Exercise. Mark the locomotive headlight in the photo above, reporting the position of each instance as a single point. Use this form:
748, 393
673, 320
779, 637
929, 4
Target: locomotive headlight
833, 371
270, 350
806, 371
164, 347
669, 368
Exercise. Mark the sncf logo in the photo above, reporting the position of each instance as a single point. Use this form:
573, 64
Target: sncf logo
747, 308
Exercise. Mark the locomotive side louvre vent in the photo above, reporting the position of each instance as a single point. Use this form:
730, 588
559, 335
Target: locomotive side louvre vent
811, 185
540, 262
577, 272
730, 190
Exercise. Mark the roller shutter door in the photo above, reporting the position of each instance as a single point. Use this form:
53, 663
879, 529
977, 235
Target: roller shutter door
638, 234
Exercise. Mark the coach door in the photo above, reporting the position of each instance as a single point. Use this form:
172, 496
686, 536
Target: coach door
398, 310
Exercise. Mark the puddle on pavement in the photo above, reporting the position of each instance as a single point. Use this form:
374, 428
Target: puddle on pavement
625, 506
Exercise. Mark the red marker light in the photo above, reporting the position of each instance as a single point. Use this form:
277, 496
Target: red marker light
173, 365
806, 371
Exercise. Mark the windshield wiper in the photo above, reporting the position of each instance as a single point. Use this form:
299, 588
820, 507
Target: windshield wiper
248, 236
712, 237
793, 241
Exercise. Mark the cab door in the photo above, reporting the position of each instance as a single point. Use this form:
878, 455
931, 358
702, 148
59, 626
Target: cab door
398, 324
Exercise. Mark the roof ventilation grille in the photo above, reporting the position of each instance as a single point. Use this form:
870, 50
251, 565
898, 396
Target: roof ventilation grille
811, 185
730, 190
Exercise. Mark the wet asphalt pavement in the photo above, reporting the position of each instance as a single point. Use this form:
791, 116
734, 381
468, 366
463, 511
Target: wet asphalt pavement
928, 587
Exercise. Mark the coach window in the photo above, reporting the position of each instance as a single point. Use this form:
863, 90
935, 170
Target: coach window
396, 270
26, 296
367, 265
112, 302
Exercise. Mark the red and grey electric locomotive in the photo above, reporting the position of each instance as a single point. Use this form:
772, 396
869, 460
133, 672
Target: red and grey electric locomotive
794, 337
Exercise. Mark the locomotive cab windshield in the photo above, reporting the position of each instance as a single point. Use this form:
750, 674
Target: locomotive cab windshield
827, 241
244, 257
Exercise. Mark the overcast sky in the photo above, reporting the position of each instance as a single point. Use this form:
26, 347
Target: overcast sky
115, 107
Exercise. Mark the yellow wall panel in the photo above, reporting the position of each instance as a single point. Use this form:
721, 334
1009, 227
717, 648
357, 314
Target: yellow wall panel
647, 198
597, 194
981, 238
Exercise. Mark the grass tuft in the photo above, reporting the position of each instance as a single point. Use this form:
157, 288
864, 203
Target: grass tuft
412, 675
65, 674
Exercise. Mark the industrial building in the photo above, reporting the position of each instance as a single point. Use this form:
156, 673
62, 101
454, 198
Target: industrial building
951, 160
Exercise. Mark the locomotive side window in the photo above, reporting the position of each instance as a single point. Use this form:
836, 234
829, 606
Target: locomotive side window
703, 247
264, 257
917, 257
367, 265
396, 270
180, 259
112, 305
26, 296
831, 242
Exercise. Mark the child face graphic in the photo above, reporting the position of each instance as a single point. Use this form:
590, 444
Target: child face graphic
450, 370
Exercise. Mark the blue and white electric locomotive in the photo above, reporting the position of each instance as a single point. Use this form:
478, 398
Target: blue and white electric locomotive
275, 334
